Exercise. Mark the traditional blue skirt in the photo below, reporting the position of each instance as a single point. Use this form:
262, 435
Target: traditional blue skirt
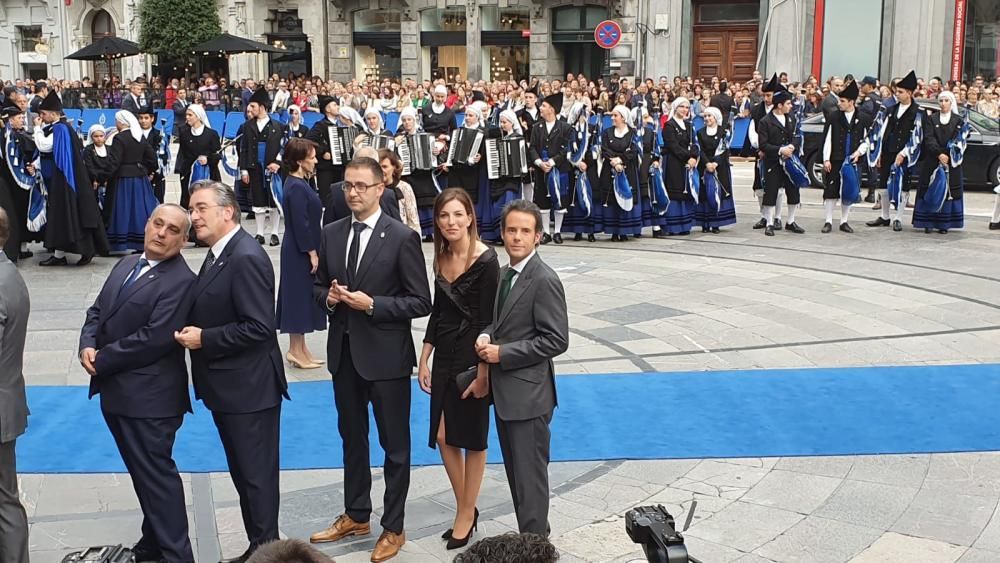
426, 216
679, 217
489, 219
576, 222
951, 216
726, 215
133, 204
618, 222
651, 218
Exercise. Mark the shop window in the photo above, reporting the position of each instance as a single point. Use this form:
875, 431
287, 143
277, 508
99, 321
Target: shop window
505, 19
443, 19
381, 21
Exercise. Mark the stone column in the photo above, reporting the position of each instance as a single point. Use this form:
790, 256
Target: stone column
473, 43
409, 41
663, 51
917, 42
545, 60
340, 45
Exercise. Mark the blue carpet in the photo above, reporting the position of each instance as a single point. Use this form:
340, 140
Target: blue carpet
874, 410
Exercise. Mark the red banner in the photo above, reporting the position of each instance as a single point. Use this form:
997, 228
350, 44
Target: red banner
958, 40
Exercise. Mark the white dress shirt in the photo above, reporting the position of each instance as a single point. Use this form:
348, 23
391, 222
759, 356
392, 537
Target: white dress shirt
366, 235
519, 267
220, 245
145, 269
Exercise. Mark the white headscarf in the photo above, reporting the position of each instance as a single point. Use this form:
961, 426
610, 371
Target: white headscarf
381, 122
946, 117
128, 118
94, 128
478, 108
625, 113
199, 111
441, 89
297, 109
678, 102
510, 116
353, 115
714, 112
411, 112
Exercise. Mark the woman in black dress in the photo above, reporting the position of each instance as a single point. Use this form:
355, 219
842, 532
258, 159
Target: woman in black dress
465, 287
197, 143
100, 166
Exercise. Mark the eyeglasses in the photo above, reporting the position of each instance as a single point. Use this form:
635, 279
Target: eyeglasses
359, 187
201, 209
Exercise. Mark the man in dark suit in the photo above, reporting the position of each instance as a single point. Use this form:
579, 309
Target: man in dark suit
179, 107
335, 207
530, 328
133, 101
235, 361
548, 146
372, 280
14, 308
127, 346
723, 102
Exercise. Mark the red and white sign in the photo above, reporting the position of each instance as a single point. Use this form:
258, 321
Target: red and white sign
608, 34
958, 40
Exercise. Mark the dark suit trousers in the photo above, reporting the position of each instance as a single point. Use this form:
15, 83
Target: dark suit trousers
146, 446
251, 443
525, 448
390, 401
13, 520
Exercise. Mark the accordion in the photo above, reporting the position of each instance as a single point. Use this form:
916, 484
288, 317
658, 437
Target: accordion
341, 144
464, 145
417, 153
506, 158
379, 142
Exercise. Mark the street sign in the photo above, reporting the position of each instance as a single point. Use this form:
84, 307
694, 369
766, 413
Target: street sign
607, 34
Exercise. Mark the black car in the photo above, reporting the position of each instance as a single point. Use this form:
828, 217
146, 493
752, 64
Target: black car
982, 156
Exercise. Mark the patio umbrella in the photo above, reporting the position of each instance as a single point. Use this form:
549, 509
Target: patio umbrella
227, 44
106, 48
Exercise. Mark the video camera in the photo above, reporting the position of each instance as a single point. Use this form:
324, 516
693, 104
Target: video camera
653, 527
101, 554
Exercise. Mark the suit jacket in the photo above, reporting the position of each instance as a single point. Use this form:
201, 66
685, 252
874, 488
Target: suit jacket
140, 367
14, 307
129, 104
335, 207
393, 273
772, 136
238, 368
840, 128
532, 329
555, 142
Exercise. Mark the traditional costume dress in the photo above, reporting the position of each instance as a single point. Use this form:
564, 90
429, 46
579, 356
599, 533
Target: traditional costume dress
678, 147
504, 189
295, 129
260, 146
16, 151
73, 217
549, 143
194, 144
845, 138
469, 176
327, 173
898, 139
620, 143
130, 199
944, 135
710, 217
649, 159
775, 132
101, 167
528, 116
423, 183
583, 215
752, 150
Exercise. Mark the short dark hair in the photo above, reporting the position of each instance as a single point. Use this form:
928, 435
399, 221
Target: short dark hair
523, 206
224, 195
365, 163
511, 548
393, 158
4, 227
289, 551
295, 150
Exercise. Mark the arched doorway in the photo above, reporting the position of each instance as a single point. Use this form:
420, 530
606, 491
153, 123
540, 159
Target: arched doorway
100, 27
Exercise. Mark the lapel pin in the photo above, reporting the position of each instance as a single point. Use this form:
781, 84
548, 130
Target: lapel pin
381, 235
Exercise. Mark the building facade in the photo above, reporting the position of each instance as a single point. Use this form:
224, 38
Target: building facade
498, 39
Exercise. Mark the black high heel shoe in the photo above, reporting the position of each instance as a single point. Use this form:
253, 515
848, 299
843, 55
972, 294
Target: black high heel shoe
457, 543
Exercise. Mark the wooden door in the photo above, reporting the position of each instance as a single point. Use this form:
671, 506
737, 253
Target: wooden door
726, 52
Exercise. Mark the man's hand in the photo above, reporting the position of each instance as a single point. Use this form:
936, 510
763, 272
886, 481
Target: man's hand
656, 164
899, 159
943, 159
87, 358
711, 166
30, 169
855, 156
582, 166
189, 337
245, 178
326, 156
482, 342
357, 300
546, 167
692, 162
786, 151
475, 159
274, 167
333, 296
490, 353
203, 160
827, 166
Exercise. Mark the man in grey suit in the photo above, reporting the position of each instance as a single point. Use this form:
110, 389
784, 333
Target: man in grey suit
14, 307
530, 328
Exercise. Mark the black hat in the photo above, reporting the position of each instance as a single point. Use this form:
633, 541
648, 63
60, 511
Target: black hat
51, 102
555, 100
325, 101
772, 84
260, 96
869, 80
478, 96
850, 91
145, 110
9, 111
781, 96
532, 90
909, 82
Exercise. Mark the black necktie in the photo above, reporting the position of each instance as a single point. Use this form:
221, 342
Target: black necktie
142, 263
209, 260
352, 254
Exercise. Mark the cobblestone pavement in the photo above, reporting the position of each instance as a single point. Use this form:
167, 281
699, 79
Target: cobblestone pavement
735, 300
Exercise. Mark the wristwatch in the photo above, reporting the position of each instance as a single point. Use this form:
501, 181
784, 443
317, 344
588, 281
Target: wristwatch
371, 309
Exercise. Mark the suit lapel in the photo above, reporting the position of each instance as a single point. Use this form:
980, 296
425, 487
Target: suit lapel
375, 244
521, 284
338, 254
144, 280
206, 278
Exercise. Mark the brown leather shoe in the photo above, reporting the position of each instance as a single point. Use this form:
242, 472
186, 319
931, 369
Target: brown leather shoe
341, 528
388, 546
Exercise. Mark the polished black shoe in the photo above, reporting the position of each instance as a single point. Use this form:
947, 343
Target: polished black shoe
760, 224
259, 238
704, 229
84, 260
870, 198
241, 559
716, 230
557, 238
25, 254
456, 543
927, 230
943, 231
827, 227
144, 553
795, 228
251, 215
995, 226
53, 261
614, 238
577, 237
546, 238
897, 225
274, 240
591, 238
769, 231
846, 228
878, 222
777, 225
660, 234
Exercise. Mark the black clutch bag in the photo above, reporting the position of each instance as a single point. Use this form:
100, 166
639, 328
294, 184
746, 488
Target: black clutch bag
465, 378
